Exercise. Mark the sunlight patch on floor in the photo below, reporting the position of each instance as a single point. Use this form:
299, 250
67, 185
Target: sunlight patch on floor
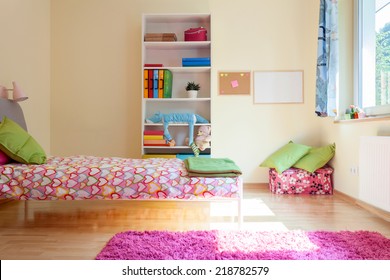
244, 242
255, 207
250, 207
255, 226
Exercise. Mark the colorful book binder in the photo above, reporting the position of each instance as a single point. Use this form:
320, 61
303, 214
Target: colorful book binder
168, 78
155, 83
146, 83
158, 83
150, 85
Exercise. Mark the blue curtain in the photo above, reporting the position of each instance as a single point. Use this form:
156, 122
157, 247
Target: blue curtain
327, 59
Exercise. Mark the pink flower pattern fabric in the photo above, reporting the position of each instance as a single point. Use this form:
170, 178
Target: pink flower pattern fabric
88, 177
299, 181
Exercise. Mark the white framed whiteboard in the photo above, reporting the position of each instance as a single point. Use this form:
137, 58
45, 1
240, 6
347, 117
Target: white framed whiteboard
278, 86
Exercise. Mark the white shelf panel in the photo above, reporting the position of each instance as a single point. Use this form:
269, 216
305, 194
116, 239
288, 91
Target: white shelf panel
175, 149
176, 18
183, 69
175, 124
166, 147
176, 99
177, 45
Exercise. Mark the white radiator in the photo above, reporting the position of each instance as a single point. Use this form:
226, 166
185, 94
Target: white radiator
374, 171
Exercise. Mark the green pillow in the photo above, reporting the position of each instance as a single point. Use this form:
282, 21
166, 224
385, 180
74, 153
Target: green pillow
316, 158
286, 156
16, 143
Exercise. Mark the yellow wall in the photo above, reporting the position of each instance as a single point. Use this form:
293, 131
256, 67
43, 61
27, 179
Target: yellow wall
85, 92
25, 58
264, 35
96, 74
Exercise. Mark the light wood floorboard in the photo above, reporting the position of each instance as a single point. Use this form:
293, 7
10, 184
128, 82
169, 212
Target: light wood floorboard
80, 229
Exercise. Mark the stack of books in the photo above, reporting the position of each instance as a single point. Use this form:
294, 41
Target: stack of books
157, 83
160, 37
195, 61
154, 138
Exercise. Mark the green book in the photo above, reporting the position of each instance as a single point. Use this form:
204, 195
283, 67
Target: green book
167, 84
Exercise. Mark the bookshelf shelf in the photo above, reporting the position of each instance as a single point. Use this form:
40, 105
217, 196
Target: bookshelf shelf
183, 45
171, 150
184, 69
173, 124
180, 99
170, 54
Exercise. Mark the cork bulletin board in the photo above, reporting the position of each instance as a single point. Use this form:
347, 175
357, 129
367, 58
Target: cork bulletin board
234, 83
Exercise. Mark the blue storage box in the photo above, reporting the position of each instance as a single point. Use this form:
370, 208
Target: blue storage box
184, 156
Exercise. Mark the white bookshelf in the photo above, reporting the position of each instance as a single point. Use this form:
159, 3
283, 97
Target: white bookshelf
170, 54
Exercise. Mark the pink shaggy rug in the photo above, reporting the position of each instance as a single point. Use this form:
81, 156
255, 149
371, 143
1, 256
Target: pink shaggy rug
246, 245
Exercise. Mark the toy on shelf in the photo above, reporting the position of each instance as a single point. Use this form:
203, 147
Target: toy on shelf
203, 138
166, 119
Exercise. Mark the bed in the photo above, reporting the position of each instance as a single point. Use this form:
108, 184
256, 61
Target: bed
90, 177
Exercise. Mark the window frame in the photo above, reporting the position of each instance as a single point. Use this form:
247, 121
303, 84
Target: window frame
359, 86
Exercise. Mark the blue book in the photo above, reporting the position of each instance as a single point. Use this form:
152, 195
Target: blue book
196, 61
155, 83
196, 64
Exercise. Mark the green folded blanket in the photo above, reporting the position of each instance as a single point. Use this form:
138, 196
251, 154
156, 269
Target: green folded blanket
211, 167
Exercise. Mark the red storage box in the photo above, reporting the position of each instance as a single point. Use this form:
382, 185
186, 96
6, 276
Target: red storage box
195, 34
299, 181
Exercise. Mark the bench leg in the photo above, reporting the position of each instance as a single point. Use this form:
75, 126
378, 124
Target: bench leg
239, 213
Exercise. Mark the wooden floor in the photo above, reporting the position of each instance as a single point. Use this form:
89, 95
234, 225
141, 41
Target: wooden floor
80, 229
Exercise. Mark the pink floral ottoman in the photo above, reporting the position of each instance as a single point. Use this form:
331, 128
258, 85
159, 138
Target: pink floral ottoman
299, 181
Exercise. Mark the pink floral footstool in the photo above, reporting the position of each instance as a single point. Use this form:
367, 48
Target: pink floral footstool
299, 181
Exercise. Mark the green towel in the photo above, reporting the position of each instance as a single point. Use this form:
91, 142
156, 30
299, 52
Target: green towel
211, 167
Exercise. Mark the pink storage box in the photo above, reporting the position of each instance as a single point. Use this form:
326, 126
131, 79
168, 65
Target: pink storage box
299, 181
195, 34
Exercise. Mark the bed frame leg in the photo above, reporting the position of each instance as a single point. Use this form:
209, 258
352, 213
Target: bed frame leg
239, 213
239, 206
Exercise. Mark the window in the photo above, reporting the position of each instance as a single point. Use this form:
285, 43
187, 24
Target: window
373, 56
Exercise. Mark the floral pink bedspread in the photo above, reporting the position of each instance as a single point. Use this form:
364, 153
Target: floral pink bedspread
88, 177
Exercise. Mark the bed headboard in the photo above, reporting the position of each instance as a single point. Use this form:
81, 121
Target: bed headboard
12, 110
